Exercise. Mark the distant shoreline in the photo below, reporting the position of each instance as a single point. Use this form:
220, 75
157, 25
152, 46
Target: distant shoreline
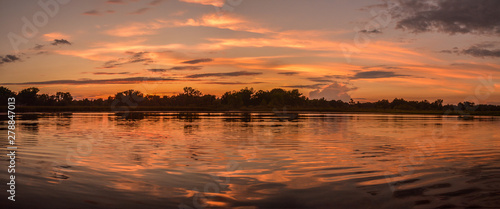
78, 109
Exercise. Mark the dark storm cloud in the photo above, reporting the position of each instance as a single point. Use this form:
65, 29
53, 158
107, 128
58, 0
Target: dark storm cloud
288, 73
196, 61
90, 81
231, 74
60, 41
312, 86
376, 74
479, 50
8, 58
448, 16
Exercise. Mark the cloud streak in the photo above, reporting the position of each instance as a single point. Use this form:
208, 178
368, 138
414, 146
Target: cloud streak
217, 3
288, 73
230, 74
92, 12
139, 11
106, 73
478, 50
156, 70
196, 61
115, 2
312, 86
373, 74
130, 80
232, 83
374, 31
136, 57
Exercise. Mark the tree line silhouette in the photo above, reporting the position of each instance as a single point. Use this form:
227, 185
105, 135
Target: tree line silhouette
244, 99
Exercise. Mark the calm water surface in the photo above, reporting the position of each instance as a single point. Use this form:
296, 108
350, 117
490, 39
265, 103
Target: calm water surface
202, 160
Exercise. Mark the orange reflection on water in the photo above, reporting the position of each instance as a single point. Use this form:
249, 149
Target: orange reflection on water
240, 160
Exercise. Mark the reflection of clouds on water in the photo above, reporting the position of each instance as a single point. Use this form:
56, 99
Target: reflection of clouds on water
315, 160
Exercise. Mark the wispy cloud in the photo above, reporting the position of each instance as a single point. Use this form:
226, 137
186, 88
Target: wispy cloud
140, 11
374, 31
311, 86
38, 46
196, 61
55, 35
217, 3
224, 22
156, 70
376, 74
213, 20
108, 73
135, 29
8, 58
115, 2
320, 79
135, 57
478, 50
60, 41
92, 12
156, 2
232, 83
288, 73
130, 80
230, 74
186, 68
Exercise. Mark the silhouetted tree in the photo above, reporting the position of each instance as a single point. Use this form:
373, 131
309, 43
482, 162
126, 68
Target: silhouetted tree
28, 96
5, 93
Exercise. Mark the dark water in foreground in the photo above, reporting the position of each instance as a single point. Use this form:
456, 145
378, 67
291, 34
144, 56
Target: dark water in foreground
181, 160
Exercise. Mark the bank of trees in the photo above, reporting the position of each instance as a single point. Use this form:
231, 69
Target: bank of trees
246, 98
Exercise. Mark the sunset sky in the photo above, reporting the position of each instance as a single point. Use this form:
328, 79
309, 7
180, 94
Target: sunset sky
365, 50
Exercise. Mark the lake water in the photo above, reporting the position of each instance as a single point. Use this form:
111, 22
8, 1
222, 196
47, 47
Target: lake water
216, 160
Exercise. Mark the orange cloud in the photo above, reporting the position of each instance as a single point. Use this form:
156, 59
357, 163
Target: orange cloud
217, 3
55, 35
209, 20
222, 22
135, 29
112, 51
